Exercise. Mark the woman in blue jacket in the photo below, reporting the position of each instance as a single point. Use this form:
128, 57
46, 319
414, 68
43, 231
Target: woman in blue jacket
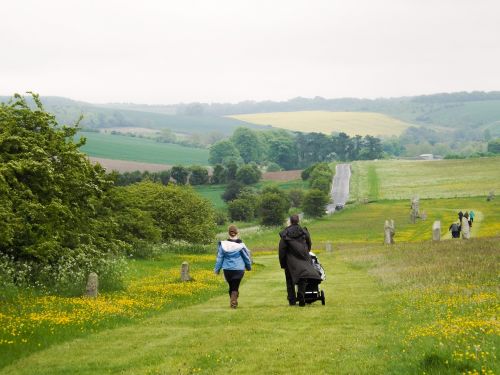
233, 257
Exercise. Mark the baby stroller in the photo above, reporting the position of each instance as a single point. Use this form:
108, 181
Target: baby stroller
313, 291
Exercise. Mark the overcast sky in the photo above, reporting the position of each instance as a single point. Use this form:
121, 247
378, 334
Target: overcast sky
162, 52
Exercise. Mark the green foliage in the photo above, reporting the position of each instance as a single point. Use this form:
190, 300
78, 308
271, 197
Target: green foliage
248, 174
180, 174
222, 152
51, 199
320, 177
273, 167
296, 196
282, 149
494, 146
220, 217
219, 175
199, 175
273, 209
178, 211
248, 144
315, 202
233, 189
241, 209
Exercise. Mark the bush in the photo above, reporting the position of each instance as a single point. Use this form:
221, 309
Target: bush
241, 209
273, 167
220, 217
315, 202
232, 191
296, 197
199, 175
273, 209
52, 219
248, 174
183, 247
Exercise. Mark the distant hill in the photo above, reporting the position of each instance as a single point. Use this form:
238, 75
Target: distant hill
68, 111
351, 123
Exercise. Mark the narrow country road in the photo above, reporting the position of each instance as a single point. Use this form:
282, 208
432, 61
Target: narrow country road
340, 187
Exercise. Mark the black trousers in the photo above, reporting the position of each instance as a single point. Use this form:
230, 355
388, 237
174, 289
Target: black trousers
233, 278
290, 287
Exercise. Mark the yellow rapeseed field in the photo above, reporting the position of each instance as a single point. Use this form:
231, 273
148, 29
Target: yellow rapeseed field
351, 123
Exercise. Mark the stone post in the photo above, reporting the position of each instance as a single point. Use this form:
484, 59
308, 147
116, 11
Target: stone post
436, 231
92, 285
414, 209
328, 247
185, 272
389, 232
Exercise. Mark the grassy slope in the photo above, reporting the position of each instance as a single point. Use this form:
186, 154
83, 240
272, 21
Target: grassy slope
367, 326
400, 179
141, 150
352, 123
365, 223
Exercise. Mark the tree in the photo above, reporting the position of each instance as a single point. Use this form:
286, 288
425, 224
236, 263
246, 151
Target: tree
231, 169
51, 197
233, 188
248, 174
199, 175
273, 208
222, 152
241, 209
494, 146
296, 196
315, 202
282, 149
219, 174
248, 144
180, 174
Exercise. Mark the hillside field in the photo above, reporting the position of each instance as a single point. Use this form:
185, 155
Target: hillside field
403, 179
351, 123
120, 147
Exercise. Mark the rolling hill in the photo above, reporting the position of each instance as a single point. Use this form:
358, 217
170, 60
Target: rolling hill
351, 123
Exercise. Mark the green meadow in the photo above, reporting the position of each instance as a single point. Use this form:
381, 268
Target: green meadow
416, 307
403, 179
121, 147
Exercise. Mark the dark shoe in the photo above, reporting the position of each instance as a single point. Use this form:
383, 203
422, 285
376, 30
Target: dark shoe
234, 299
292, 303
302, 301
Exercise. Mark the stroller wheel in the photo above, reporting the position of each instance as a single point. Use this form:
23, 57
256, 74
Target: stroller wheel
322, 297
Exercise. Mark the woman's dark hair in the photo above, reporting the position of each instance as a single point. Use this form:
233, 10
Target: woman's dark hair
294, 219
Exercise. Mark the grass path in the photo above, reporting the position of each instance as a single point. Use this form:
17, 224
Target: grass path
265, 335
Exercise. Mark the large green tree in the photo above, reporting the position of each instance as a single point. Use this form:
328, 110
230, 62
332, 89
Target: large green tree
248, 144
222, 152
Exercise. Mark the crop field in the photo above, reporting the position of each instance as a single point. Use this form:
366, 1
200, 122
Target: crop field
351, 123
400, 179
120, 147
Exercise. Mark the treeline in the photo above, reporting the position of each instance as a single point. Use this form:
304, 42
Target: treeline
62, 217
293, 150
194, 175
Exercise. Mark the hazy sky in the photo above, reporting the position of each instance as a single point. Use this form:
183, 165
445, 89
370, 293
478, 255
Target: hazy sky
231, 50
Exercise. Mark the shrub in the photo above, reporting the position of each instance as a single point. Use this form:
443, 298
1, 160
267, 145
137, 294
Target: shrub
233, 189
248, 174
273, 167
273, 208
296, 197
199, 175
241, 209
315, 202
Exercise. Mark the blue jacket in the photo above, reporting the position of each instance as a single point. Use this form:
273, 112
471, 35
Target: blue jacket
232, 256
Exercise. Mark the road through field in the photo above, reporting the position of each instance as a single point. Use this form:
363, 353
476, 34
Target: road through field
340, 186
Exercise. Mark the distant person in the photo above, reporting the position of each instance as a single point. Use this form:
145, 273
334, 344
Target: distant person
471, 217
294, 246
234, 258
460, 216
465, 227
455, 230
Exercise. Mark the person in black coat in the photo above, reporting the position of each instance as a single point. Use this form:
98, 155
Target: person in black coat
294, 246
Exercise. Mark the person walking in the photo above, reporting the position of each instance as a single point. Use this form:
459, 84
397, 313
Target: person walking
455, 230
471, 217
234, 258
465, 226
294, 258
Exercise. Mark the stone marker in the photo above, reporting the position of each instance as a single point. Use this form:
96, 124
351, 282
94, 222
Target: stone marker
92, 285
423, 215
389, 232
328, 247
436, 231
491, 196
414, 209
185, 272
